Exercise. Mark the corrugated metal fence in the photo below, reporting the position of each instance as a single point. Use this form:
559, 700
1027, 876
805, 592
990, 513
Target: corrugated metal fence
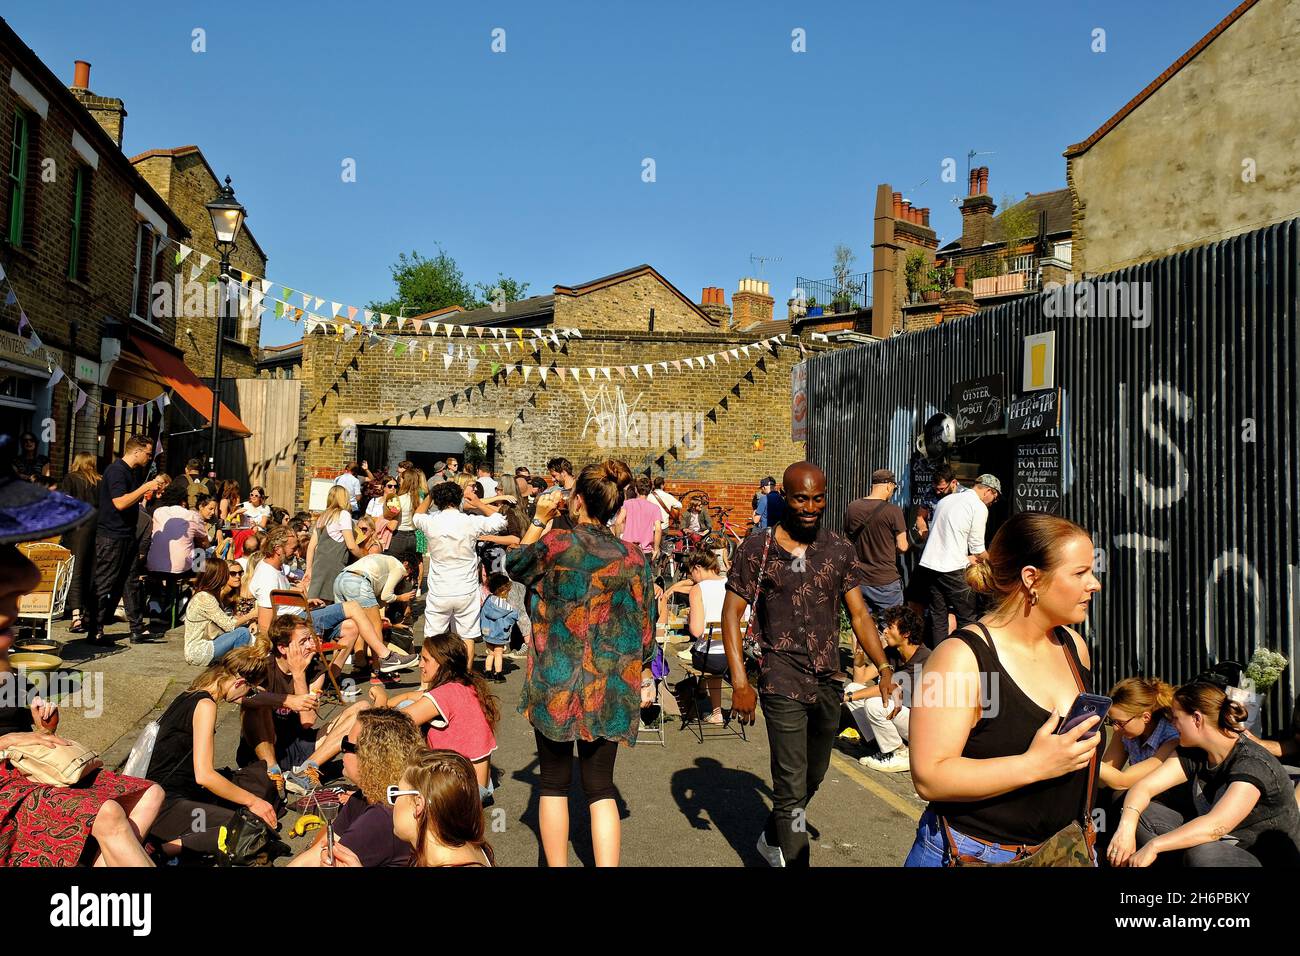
1180, 440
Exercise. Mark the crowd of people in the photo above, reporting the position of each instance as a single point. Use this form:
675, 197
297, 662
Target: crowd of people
966, 659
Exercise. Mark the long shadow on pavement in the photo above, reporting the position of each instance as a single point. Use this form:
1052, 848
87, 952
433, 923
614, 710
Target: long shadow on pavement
734, 802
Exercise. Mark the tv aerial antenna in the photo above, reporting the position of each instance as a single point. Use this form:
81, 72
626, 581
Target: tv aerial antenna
762, 261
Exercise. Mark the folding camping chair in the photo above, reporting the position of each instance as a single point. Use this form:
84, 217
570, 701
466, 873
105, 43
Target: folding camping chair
693, 718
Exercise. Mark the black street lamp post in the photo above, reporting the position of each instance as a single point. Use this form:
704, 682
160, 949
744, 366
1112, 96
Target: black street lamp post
227, 216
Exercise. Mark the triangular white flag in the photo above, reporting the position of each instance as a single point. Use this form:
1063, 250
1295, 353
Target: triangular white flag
690, 363
592, 373
479, 330
400, 320
306, 298
370, 316
605, 372
199, 266
446, 361
713, 359
649, 370
335, 307
471, 364
664, 366
319, 302
555, 340
734, 354
55, 377
745, 349
575, 333
527, 371
677, 365
542, 372
182, 252
635, 374
464, 330
576, 376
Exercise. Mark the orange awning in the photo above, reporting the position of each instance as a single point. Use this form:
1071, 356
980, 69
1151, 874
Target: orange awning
187, 385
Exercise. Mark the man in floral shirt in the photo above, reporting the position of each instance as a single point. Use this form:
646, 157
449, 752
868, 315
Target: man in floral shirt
797, 574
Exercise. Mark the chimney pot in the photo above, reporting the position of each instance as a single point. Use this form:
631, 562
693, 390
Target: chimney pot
972, 182
959, 278
984, 180
898, 205
80, 75
925, 216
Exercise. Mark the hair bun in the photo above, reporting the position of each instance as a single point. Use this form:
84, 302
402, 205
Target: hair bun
618, 472
979, 576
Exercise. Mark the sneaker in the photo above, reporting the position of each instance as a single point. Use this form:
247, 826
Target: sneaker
144, 639
519, 655
714, 718
896, 762
398, 662
772, 854
303, 779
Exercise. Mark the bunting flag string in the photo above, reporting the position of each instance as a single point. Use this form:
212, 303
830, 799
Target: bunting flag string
78, 396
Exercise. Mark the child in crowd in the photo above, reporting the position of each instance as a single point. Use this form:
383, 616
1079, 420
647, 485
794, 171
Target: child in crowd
498, 619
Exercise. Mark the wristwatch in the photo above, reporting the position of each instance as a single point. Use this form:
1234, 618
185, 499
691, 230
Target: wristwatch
538, 524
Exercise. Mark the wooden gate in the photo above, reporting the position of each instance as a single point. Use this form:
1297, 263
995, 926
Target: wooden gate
269, 457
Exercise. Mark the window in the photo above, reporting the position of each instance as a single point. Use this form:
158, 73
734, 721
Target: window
148, 255
18, 156
78, 251
232, 312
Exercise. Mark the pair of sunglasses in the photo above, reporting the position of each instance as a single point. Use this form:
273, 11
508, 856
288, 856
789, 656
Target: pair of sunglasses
395, 791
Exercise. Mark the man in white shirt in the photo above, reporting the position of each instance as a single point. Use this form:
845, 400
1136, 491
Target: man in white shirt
665, 501
352, 484
347, 621
956, 538
487, 481
453, 560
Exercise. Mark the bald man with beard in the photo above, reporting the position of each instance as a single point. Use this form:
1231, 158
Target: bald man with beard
797, 574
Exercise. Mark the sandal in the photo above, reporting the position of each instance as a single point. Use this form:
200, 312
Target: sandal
78, 626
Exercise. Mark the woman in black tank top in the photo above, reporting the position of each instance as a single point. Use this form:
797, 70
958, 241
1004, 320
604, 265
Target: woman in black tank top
984, 750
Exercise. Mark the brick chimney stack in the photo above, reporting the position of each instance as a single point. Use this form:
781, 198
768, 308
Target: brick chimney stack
977, 210
713, 303
751, 303
108, 112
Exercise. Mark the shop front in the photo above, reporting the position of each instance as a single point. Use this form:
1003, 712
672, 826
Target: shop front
25, 395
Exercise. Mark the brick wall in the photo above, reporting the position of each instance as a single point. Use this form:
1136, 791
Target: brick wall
626, 306
69, 314
368, 385
186, 183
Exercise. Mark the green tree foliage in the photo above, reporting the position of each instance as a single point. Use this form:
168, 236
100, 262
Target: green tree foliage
426, 285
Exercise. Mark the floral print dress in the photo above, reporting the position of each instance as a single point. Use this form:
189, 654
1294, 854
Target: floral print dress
593, 616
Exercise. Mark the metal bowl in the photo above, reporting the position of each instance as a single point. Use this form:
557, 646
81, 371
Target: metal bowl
27, 661
35, 645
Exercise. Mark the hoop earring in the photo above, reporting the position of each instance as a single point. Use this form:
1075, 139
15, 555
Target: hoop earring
1033, 598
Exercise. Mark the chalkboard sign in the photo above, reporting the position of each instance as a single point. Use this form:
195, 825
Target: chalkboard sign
922, 478
979, 406
1035, 412
1038, 476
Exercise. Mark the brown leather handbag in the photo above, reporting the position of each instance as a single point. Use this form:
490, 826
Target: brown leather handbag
1072, 845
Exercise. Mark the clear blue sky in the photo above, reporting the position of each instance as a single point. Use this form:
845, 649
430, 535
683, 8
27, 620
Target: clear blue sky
530, 161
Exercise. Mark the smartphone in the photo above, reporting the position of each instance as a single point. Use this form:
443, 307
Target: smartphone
1085, 706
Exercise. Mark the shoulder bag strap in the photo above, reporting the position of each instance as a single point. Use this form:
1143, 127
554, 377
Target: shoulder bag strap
758, 586
1067, 646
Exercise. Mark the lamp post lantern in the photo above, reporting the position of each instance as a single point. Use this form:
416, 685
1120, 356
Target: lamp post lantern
227, 217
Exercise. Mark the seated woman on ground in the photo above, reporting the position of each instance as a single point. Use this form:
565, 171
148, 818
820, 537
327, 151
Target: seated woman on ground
375, 752
212, 625
103, 819
437, 810
1244, 810
455, 703
1144, 736
200, 799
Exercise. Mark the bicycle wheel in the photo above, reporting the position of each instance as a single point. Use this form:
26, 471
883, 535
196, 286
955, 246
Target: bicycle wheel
717, 541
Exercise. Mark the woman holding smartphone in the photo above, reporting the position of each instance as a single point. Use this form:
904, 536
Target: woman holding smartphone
984, 744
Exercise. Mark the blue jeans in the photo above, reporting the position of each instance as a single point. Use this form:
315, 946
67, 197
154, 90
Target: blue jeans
931, 847
882, 597
328, 620
223, 644
355, 587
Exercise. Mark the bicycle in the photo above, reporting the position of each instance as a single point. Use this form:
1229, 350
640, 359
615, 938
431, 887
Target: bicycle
724, 537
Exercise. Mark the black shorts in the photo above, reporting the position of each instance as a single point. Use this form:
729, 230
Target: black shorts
715, 664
